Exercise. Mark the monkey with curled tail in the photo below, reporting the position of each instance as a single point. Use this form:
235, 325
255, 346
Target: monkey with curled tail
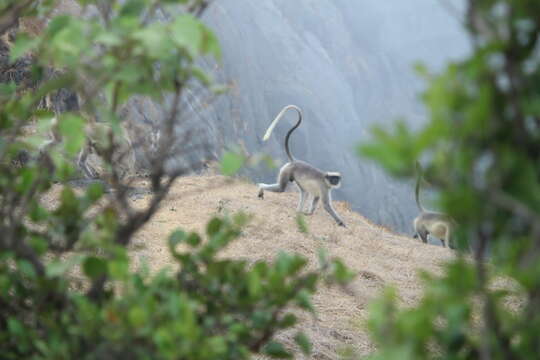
307, 178
429, 222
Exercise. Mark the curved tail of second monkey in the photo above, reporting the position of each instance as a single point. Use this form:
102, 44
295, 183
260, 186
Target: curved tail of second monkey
276, 120
417, 189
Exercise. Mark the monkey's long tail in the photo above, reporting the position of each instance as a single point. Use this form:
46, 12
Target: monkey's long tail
276, 120
417, 189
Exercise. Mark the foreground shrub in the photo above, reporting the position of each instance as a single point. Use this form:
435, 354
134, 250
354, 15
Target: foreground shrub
66, 288
481, 150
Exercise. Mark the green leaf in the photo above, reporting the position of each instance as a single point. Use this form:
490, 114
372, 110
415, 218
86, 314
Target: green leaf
108, 38
276, 350
201, 75
26, 268
38, 213
254, 283
177, 237
72, 130
193, 239
38, 244
210, 44
94, 192
322, 255
301, 223
132, 8
119, 268
231, 163
57, 24
69, 202
154, 42
8, 89
303, 341
341, 273
94, 267
287, 321
70, 42
138, 316
15, 327
27, 179
303, 300
188, 33
22, 46
214, 226
58, 268
217, 345
262, 268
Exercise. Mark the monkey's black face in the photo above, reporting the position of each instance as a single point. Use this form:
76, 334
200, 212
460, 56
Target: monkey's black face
333, 180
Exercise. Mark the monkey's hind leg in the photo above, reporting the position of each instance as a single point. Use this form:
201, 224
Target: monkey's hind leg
302, 199
270, 187
283, 178
441, 231
313, 206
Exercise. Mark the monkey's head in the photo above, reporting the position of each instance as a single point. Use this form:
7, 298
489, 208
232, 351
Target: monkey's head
333, 179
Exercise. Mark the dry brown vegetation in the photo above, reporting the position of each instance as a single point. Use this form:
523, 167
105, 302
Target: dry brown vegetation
379, 257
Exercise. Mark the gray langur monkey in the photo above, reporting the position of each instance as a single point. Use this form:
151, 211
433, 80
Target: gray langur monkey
98, 136
307, 178
429, 222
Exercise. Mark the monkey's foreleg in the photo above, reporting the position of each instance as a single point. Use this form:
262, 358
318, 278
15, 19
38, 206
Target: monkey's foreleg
423, 235
331, 211
328, 207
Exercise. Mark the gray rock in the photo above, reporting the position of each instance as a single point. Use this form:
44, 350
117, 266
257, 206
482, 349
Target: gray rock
348, 65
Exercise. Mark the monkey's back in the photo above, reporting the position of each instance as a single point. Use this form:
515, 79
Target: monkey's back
432, 216
433, 222
307, 176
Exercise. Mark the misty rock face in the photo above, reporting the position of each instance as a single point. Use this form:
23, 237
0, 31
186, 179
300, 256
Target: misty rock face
348, 65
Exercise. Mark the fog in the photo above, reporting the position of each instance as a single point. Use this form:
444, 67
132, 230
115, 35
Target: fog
348, 65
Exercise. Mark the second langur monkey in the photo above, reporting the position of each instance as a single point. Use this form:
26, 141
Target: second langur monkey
307, 178
97, 137
429, 222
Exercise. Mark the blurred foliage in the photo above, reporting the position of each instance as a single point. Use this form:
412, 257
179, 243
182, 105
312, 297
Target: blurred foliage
67, 290
301, 223
231, 162
481, 151
210, 308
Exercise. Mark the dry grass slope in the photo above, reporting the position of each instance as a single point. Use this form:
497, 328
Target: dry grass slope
380, 257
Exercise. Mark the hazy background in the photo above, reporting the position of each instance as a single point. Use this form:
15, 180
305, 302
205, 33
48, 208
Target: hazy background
347, 64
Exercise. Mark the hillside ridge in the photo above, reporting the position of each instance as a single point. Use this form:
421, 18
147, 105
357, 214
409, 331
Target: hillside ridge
378, 256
